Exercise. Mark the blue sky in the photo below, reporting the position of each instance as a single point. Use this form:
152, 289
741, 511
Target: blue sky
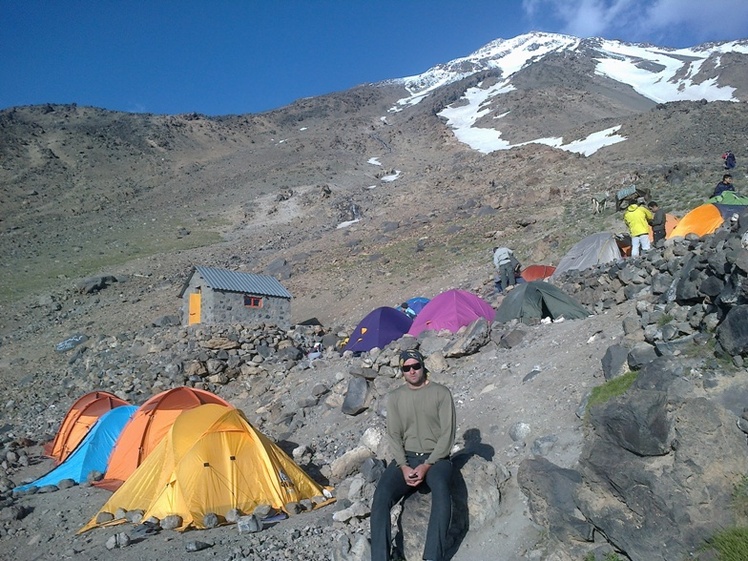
220, 57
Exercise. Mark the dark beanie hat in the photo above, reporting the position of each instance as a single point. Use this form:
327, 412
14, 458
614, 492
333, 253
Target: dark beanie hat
413, 354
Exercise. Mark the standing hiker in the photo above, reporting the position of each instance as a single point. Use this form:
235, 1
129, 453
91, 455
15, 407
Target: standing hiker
658, 222
637, 218
506, 266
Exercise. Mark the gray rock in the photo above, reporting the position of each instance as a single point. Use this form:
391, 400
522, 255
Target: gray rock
512, 338
71, 342
653, 514
469, 341
476, 502
362, 372
14, 512
118, 540
355, 396
543, 445
641, 354
171, 522
249, 524
732, 333
195, 545
551, 493
531, 374
167, 321
639, 425
103, 517
519, 431
615, 361
372, 469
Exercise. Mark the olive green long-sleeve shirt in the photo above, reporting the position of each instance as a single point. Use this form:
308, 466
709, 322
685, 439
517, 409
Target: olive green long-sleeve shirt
421, 421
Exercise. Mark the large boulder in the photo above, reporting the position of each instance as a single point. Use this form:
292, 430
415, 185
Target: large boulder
732, 333
476, 501
551, 495
660, 466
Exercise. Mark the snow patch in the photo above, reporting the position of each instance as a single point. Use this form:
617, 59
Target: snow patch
346, 224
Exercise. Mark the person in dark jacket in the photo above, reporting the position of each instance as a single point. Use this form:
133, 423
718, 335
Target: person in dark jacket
724, 185
729, 158
658, 222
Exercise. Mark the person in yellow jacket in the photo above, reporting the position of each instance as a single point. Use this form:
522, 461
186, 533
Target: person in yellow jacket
637, 218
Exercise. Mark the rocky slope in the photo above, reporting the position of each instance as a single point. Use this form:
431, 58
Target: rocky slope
529, 457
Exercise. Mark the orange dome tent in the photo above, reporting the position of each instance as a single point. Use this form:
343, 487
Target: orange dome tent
537, 272
148, 426
79, 419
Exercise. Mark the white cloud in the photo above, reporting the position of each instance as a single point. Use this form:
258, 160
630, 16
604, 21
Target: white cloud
666, 22
704, 20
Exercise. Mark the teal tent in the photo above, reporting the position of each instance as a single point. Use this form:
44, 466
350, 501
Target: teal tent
535, 300
92, 454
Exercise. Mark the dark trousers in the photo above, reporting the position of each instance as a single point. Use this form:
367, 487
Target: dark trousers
658, 235
506, 274
392, 487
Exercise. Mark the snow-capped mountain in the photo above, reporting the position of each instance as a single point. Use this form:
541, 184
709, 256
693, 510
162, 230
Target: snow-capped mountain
623, 77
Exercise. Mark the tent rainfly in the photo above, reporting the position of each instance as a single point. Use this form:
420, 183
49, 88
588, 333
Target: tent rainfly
535, 300
706, 218
451, 310
588, 252
79, 419
147, 427
92, 454
380, 327
212, 460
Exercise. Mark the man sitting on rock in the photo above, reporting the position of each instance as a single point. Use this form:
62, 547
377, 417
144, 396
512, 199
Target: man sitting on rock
421, 433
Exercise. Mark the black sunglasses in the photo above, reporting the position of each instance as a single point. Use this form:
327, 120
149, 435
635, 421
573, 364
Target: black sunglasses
409, 367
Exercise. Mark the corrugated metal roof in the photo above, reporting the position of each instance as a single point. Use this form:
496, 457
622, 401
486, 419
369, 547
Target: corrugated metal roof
222, 279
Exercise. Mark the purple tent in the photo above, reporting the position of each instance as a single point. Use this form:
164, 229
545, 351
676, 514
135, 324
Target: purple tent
451, 310
379, 328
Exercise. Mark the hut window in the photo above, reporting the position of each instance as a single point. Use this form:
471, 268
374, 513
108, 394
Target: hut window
252, 301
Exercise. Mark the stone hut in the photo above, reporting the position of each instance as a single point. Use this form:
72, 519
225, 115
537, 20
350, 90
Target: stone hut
215, 296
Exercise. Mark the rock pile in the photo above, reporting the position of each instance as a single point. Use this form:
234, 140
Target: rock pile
661, 463
686, 289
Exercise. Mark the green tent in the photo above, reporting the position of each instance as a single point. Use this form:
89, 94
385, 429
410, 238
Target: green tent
533, 301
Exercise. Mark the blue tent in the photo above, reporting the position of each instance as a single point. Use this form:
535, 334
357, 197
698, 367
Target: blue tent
92, 454
379, 328
416, 304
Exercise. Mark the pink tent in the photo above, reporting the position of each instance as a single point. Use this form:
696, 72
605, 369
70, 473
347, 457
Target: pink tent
451, 310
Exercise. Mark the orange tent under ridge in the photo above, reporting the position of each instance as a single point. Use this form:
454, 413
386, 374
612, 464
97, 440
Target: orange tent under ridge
79, 419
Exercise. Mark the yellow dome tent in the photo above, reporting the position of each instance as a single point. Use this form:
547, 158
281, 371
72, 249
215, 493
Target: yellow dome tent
212, 461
